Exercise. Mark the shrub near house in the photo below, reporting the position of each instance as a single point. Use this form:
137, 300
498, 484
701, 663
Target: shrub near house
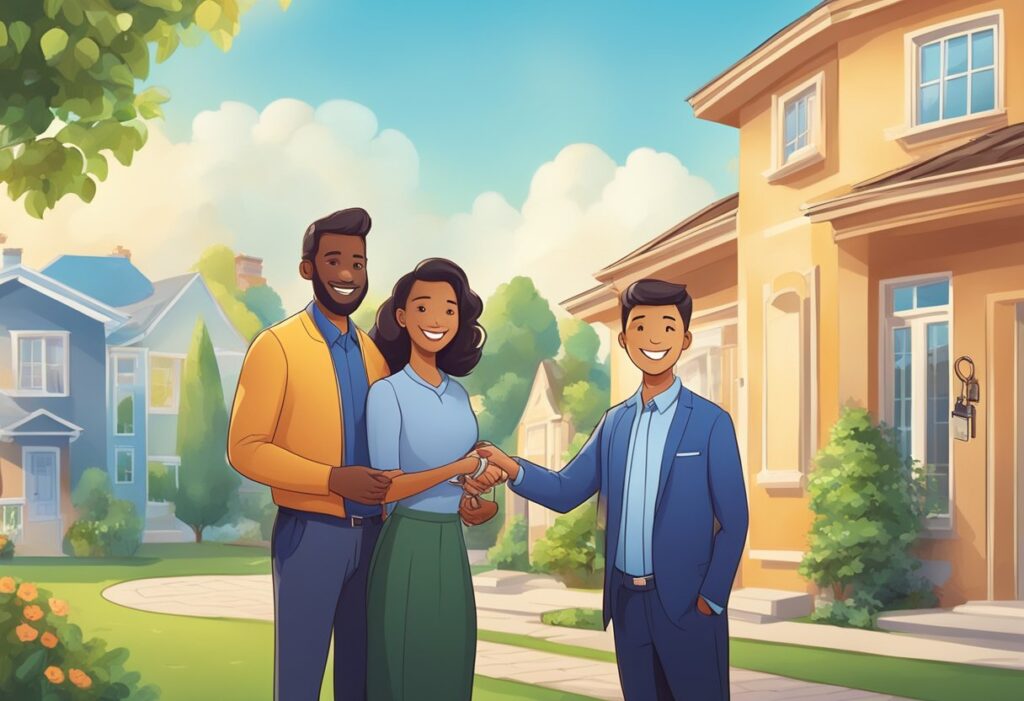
106, 527
43, 657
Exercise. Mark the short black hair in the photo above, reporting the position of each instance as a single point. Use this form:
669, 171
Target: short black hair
657, 293
354, 221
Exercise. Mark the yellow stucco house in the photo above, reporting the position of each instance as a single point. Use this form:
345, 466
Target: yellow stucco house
878, 235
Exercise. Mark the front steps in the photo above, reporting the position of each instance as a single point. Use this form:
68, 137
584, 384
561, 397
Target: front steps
993, 624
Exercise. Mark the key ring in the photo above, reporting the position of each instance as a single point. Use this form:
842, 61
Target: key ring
956, 368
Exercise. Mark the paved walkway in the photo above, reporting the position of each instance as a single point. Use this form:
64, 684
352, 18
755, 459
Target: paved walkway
505, 609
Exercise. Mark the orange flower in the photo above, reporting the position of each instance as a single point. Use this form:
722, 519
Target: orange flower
79, 678
54, 674
27, 592
3, 540
33, 612
26, 633
49, 640
7, 585
59, 607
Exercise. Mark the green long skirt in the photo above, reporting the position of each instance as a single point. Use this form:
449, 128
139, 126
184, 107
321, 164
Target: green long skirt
421, 641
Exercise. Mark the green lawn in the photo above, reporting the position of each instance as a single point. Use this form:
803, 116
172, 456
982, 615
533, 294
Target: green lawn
194, 658
587, 619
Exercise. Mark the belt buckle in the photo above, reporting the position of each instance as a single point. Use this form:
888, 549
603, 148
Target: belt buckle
355, 521
639, 581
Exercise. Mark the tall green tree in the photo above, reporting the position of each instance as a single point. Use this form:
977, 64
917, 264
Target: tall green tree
521, 332
265, 303
205, 480
70, 85
585, 379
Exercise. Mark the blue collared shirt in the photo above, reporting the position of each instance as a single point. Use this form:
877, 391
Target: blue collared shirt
353, 386
647, 439
415, 426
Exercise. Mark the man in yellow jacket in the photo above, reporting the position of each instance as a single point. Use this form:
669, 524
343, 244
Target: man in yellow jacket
298, 424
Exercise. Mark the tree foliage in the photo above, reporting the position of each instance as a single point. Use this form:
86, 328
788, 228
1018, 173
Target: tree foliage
217, 267
521, 332
70, 85
206, 482
573, 548
586, 381
868, 504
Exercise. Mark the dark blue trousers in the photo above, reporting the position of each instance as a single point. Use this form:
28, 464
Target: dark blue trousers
664, 661
320, 567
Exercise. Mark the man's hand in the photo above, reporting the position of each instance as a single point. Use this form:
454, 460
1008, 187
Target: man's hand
703, 607
491, 476
362, 484
496, 456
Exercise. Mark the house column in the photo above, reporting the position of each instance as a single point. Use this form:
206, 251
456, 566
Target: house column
858, 337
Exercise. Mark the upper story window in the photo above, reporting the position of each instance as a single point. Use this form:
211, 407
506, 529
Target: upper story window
41, 363
956, 70
164, 382
798, 134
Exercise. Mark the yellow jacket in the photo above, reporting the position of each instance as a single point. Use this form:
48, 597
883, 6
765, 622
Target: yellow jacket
286, 428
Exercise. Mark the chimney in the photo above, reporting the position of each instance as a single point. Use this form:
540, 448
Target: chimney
248, 272
12, 257
122, 252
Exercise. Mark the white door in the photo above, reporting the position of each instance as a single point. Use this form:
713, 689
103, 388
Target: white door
43, 485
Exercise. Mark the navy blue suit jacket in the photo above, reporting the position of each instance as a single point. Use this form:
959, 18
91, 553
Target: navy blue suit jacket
701, 482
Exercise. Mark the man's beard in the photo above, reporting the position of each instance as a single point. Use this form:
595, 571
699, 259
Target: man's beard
346, 308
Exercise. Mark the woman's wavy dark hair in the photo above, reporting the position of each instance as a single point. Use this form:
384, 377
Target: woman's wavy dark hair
462, 354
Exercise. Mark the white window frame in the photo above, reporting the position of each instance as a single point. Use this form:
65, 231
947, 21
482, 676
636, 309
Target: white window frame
178, 367
917, 320
167, 461
912, 130
814, 151
16, 338
118, 451
19, 506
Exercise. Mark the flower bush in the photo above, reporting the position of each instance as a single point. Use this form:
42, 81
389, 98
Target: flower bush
43, 657
6, 547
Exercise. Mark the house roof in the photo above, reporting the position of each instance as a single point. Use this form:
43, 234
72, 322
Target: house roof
554, 376
145, 313
727, 204
999, 146
59, 291
113, 280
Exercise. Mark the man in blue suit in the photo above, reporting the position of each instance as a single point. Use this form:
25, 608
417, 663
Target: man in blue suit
667, 467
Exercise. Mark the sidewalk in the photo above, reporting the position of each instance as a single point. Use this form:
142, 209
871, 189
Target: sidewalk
505, 609
509, 608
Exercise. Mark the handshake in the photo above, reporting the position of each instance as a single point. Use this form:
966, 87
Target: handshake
497, 467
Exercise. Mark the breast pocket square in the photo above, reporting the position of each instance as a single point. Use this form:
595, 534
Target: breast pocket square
689, 454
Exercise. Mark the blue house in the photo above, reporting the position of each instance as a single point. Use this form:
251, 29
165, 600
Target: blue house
52, 400
145, 358
91, 358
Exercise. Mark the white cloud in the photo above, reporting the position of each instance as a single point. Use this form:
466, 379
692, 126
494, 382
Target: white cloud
254, 180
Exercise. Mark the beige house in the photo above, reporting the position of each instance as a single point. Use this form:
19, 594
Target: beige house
877, 236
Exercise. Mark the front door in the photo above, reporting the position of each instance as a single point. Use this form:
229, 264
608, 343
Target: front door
43, 484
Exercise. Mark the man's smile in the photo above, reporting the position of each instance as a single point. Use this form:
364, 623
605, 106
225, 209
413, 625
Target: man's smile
654, 355
434, 335
343, 289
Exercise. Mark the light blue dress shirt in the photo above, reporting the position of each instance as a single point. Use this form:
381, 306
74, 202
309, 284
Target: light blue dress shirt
651, 424
353, 386
414, 426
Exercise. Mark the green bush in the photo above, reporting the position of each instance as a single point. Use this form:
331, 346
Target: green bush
106, 527
162, 485
486, 534
573, 548
868, 501
587, 619
43, 657
510, 551
6, 547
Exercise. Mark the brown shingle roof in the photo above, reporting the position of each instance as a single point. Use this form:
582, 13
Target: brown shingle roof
714, 210
999, 146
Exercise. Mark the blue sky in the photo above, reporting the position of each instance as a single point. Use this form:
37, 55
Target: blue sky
489, 92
